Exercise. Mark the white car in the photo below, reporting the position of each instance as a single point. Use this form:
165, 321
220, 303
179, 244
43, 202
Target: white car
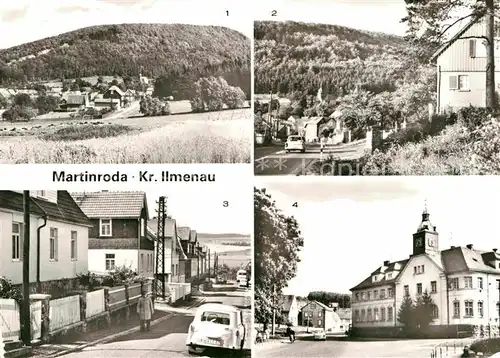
320, 335
295, 142
216, 326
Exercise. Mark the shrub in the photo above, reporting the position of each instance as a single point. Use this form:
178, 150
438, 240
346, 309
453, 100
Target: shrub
412, 133
473, 117
8, 290
122, 275
88, 280
486, 148
87, 131
19, 113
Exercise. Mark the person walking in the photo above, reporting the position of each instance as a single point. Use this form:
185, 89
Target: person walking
145, 311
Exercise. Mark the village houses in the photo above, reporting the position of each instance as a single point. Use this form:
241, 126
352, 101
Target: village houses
58, 229
118, 236
175, 258
463, 283
189, 242
461, 68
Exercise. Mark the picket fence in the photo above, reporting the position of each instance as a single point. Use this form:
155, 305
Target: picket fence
95, 303
64, 312
179, 291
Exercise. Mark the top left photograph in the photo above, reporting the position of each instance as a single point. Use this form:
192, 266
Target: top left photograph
123, 82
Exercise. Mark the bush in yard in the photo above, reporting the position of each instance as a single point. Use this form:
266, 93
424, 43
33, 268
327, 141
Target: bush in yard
411, 134
8, 290
473, 117
152, 106
122, 275
486, 148
234, 97
89, 280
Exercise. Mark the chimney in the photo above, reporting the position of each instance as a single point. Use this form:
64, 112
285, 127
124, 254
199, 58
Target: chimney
495, 250
386, 263
452, 247
470, 246
435, 228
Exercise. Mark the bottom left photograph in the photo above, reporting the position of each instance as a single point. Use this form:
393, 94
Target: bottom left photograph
125, 273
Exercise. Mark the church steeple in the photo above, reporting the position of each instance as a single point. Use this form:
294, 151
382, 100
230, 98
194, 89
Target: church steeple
425, 240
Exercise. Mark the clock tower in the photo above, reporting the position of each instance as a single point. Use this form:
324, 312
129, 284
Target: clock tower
426, 239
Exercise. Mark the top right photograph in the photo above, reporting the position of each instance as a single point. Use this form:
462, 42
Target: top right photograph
378, 88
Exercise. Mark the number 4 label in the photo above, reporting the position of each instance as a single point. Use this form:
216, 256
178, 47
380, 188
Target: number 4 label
295, 205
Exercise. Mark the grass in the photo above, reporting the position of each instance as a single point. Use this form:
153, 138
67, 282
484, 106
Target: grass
87, 131
197, 141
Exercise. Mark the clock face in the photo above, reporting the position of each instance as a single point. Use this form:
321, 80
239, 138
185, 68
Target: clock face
419, 242
431, 242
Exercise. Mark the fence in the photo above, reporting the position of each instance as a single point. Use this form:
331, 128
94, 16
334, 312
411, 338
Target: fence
450, 349
9, 319
64, 312
95, 303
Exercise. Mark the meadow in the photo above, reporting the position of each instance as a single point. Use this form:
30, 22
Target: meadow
215, 137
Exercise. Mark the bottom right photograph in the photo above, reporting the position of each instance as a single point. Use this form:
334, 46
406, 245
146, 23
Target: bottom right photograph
377, 267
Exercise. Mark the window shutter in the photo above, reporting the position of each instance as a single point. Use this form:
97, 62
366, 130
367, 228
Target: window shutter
453, 82
56, 244
472, 48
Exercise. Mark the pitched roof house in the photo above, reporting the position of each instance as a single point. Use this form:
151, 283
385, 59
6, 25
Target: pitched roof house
318, 315
174, 254
59, 225
461, 67
114, 92
118, 236
188, 241
290, 309
463, 283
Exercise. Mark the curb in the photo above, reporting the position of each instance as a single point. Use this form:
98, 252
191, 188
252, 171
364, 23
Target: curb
112, 337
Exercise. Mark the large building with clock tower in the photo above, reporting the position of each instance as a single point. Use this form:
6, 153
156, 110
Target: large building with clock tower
463, 282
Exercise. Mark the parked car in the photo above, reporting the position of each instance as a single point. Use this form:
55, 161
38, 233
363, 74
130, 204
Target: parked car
216, 326
295, 142
320, 335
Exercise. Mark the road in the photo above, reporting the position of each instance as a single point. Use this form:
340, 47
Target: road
350, 349
167, 338
274, 160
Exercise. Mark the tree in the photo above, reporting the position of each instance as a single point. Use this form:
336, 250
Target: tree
406, 313
424, 310
19, 113
277, 243
234, 97
151, 106
22, 100
3, 102
344, 300
46, 104
430, 22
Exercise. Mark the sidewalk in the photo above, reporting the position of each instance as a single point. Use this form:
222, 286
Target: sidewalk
80, 340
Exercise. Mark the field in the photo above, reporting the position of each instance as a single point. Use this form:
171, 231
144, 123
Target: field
214, 137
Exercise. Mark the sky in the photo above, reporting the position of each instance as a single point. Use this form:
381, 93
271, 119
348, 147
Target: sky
352, 225
202, 208
31, 20
370, 15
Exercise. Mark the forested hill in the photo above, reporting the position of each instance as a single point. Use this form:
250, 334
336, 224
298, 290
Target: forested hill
299, 57
129, 49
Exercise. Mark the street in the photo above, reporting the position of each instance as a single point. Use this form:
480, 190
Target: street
273, 160
167, 338
350, 349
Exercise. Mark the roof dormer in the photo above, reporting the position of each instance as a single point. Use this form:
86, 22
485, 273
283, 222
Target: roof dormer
492, 259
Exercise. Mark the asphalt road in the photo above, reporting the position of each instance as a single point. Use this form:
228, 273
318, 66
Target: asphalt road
350, 349
274, 160
166, 339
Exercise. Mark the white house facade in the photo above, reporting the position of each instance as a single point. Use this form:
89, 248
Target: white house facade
463, 283
61, 228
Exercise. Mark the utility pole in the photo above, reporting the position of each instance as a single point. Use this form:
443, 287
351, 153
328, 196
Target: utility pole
159, 284
26, 314
209, 264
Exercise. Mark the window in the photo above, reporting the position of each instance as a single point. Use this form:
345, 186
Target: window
320, 313
105, 227
477, 48
319, 322
454, 283
356, 315
382, 293
110, 262
363, 296
414, 270
389, 276
74, 245
53, 244
480, 309
433, 287
407, 290
17, 241
469, 309
370, 318
368, 295
498, 284
382, 314
216, 317
142, 262
480, 283
435, 312
390, 292
423, 268
468, 281
460, 82
375, 294
419, 288
363, 315
375, 314
456, 309
357, 296
389, 313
